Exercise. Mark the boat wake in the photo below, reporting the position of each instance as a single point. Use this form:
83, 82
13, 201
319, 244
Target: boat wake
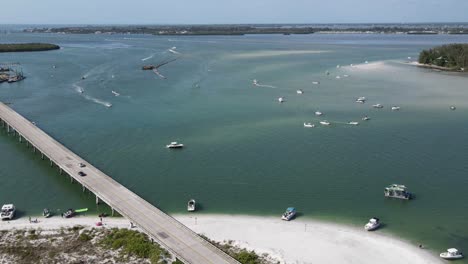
149, 57
159, 74
78, 88
255, 83
173, 50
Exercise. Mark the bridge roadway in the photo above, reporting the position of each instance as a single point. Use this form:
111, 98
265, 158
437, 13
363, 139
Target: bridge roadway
167, 231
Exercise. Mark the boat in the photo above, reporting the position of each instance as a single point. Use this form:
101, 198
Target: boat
115, 93
362, 98
281, 99
69, 213
452, 107
365, 118
397, 191
309, 125
452, 253
346, 75
354, 123
254, 82
338, 66
289, 214
325, 123
315, 82
108, 105
175, 145
8, 212
299, 91
338, 77
191, 205
373, 224
46, 213
318, 113
377, 106
360, 101
395, 108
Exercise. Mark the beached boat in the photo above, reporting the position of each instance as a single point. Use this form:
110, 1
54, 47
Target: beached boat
377, 106
281, 99
175, 145
373, 224
318, 113
365, 118
46, 213
397, 191
69, 213
354, 123
8, 212
395, 108
309, 125
452, 253
191, 205
289, 214
299, 91
325, 123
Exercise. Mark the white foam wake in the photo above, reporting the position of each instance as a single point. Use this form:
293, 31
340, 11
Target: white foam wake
149, 57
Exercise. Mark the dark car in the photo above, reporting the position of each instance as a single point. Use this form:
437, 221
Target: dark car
81, 173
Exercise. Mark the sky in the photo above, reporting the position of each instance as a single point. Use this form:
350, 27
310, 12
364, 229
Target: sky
230, 12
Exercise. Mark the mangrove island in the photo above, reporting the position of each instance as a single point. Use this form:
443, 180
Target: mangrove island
451, 57
23, 47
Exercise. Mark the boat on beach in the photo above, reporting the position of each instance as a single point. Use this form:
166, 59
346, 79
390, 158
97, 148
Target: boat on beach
397, 191
8, 212
174, 145
452, 108
299, 91
69, 213
191, 205
309, 125
115, 93
373, 224
289, 214
46, 213
451, 254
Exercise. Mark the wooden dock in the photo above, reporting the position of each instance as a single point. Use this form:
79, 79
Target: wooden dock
167, 231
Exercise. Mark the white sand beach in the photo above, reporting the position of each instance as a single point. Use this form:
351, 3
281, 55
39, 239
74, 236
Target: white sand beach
297, 241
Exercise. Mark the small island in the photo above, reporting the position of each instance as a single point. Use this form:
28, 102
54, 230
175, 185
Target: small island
23, 47
451, 57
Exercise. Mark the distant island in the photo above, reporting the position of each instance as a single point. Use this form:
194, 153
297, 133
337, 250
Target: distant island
23, 47
451, 57
285, 29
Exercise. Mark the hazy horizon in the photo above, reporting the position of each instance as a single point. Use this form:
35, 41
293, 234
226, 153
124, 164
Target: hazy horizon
148, 12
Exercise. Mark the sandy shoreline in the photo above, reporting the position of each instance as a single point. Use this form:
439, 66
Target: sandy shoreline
298, 241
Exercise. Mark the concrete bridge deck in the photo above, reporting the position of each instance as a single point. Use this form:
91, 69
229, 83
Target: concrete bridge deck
171, 234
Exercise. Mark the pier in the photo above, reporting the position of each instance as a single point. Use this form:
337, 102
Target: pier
178, 239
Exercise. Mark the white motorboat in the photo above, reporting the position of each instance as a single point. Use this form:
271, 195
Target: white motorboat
354, 123
309, 125
365, 118
254, 82
325, 123
346, 75
362, 98
115, 93
395, 108
452, 253
299, 91
8, 212
108, 105
373, 224
175, 145
318, 113
360, 101
191, 205
315, 82
289, 214
452, 108
281, 99
377, 106
338, 77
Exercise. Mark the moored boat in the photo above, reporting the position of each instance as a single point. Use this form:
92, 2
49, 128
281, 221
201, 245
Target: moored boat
8, 212
453, 107
377, 106
175, 145
452, 253
397, 191
46, 213
191, 205
69, 213
289, 214
299, 91
309, 125
325, 123
373, 224
395, 108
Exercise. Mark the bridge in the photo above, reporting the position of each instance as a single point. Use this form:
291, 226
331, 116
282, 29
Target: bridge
178, 239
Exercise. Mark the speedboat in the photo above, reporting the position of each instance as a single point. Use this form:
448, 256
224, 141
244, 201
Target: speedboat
327, 72
366, 118
83, 77
299, 91
360, 101
452, 107
377, 106
309, 125
8, 212
315, 82
452, 253
373, 224
318, 113
109, 105
362, 98
281, 99
191, 205
395, 108
115, 93
175, 145
46, 213
254, 82
354, 123
289, 214
325, 123
69, 213
338, 77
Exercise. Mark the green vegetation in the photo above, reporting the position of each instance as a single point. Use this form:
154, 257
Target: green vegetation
133, 243
21, 47
452, 57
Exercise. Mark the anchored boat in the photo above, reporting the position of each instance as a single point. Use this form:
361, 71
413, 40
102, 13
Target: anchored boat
8, 212
309, 125
191, 205
452, 253
69, 213
175, 145
46, 213
397, 191
373, 224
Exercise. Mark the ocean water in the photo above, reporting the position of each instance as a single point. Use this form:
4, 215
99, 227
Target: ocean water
246, 153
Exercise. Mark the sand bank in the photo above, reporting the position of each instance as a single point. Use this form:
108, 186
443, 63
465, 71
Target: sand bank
298, 241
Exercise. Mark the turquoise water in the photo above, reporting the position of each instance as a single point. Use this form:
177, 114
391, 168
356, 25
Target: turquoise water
246, 153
